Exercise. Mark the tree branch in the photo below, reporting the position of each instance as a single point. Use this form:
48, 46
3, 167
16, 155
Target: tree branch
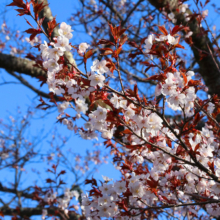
28, 212
20, 65
14, 191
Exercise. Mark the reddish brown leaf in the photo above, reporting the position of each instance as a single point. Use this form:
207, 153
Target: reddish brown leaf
133, 44
179, 46
88, 54
194, 82
28, 22
92, 181
197, 118
106, 51
211, 166
123, 39
127, 131
160, 77
106, 42
118, 50
178, 28
163, 30
184, 78
37, 7
197, 147
33, 32
18, 3
51, 25
207, 1
50, 181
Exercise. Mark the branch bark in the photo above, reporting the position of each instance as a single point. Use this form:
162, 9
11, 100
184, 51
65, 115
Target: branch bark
20, 65
28, 212
209, 65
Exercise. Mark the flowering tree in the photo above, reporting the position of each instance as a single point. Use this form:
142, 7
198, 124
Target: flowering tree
142, 96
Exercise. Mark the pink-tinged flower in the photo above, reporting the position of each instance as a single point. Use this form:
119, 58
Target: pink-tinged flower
168, 89
106, 189
97, 79
65, 30
100, 67
44, 214
177, 99
44, 50
171, 16
63, 44
141, 121
189, 34
115, 100
106, 210
120, 187
62, 106
183, 8
51, 65
148, 43
172, 40
83, 47
137, 189
107, 134
81, 106
105, 199
100, 113
210, 108
205, 13
129, 113
55, 53
158, 89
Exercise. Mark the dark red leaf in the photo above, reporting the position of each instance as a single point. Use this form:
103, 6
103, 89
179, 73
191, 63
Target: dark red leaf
207, 1
18, 3
50, 181
106, 51
37, 7
123, 39
106, 42
88, 54
178, 28
163, 30
51, 25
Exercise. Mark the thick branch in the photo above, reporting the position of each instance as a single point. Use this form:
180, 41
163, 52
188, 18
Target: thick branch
201, 43
28, 212
20, 65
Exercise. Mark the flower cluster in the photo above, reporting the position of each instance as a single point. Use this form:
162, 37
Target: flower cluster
182, 9
137, 190
51, 58
181, 95
62, 202
181, 157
